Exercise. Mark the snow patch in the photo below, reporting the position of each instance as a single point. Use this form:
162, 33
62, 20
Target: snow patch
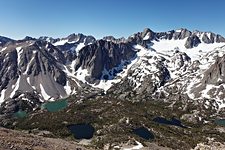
167, 47
61, 42
204, 94
28, 80
178, 30
207, 89
79, 47
43, 93
81, 74
2, 97
4, 48
19, 52
209, 34
147, 36
28, 66
15, 87
71, 74
67, 88
138, 146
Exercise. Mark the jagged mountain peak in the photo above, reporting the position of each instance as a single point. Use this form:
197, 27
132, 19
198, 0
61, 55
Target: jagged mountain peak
147, 34
48, 39
27, 38
80, 38
113, 39
146, 31
182, 29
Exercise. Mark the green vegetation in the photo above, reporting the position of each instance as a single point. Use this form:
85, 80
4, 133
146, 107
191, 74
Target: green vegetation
114, 121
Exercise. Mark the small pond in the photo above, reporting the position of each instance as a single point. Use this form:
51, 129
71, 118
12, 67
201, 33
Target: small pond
220, 122
143, 133
81, 131
55, 106
173, 121
20, 114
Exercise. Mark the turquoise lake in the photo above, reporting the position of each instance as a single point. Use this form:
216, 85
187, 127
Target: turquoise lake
55, 106
20, 114
220, 122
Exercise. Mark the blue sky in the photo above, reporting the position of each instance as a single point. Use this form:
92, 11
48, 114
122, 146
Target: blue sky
59, 18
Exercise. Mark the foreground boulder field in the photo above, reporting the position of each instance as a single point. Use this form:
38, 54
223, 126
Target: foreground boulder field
169, 83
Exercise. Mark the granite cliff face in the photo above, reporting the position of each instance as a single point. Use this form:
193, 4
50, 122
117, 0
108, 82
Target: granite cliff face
103, 55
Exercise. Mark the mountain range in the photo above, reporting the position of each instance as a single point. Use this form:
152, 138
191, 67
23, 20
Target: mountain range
147, 64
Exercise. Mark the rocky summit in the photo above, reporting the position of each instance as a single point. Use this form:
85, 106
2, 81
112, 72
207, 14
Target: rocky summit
118, 84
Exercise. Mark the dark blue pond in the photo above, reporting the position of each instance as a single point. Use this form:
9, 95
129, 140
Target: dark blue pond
81, 131
143, 133
173, 121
